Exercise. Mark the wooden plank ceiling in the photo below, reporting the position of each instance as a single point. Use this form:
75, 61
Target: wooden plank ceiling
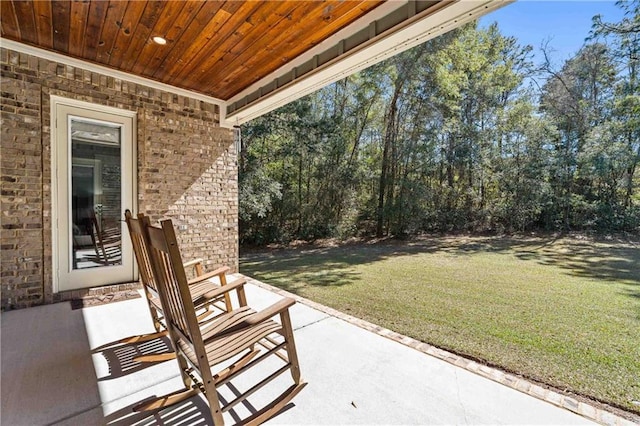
217, 48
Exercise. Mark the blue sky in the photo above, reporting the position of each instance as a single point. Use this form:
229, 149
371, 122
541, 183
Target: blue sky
564, 23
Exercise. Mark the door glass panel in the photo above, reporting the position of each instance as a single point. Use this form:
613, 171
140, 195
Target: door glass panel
96, 198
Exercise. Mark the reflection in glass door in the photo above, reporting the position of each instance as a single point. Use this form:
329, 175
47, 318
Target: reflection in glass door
94, 184
95, 194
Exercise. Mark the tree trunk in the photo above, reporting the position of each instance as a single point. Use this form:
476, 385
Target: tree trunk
389, 139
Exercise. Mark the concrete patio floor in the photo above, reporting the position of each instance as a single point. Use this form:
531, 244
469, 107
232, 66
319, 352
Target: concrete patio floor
58, 367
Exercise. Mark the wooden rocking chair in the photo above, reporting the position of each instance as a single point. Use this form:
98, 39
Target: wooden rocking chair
107, 243
241, 335
198, 287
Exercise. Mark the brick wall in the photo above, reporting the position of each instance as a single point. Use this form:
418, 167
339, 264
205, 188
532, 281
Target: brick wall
187, 170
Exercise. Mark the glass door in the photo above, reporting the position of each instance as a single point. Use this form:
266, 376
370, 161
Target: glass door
94, 185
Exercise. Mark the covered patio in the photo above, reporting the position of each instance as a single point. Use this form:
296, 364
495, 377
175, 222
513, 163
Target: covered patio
175, 79
63, 368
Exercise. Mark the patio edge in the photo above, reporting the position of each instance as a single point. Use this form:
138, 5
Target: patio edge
510, 380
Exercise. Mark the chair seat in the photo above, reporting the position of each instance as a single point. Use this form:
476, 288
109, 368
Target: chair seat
197, 291
221, 345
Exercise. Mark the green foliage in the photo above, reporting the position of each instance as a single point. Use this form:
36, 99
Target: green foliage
450, 136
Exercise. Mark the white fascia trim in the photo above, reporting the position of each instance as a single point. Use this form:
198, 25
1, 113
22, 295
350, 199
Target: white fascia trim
447, 18
89, 66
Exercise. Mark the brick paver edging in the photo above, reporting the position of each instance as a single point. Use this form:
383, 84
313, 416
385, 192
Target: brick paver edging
586, 410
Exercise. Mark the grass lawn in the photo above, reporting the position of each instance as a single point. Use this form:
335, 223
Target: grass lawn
560, 311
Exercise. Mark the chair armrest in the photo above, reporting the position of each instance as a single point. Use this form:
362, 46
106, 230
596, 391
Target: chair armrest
197, 265
214, 294
272, 310
220, 271
258, 317
192, 262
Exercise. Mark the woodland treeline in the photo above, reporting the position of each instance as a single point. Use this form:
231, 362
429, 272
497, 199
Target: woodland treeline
463, 133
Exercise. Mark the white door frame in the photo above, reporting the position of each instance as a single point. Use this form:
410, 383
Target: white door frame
128, 159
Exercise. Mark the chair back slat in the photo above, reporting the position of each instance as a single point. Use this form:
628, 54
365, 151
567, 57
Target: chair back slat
140, 249
173, 284
176, 306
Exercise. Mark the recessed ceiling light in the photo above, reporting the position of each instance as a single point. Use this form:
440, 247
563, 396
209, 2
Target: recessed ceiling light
159, 40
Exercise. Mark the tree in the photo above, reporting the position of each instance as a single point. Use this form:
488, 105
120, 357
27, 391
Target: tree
576, 99
448, 136
624, 130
